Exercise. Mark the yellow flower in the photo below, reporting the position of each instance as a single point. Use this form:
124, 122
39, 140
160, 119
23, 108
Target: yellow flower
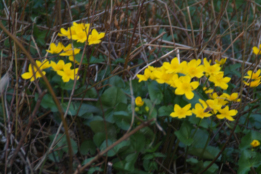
44, 64
139, 102
81, 32
233, 97
200, 110
221, 62
162, 76
256, 50
55, 49
181, 112
67, 33
67, 73
221, 98
219, 80
208, 91
95, 37
211, 70
252, 75
69, 51
30, 74
173, 80
226, 113
146, 76
71, 58
184, 86
255, 143
194, 69
81, 26
59, 66
253, 84
173, 67
214, 104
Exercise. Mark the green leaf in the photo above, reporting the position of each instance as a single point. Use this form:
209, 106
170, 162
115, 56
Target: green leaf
209, 153
232, 69
87, 147
106, 144
165, 110
98, 125
48, 103
155, 92
98, 138
138, 141
78, 58
71, 110
148, 156
184, 134
94, 60
192, 160
113, 96
247, 160
159, 155
117, 82
62, 146
121, 146
94, 169
90, 93
131, 160
248, 138
212, 169
87, 108
205, 123
122, 119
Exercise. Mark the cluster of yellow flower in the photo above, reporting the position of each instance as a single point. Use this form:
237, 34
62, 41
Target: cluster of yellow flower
78, 32
179, 76
254, 78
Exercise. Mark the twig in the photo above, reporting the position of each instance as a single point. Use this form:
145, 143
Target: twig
127, 135
31, 118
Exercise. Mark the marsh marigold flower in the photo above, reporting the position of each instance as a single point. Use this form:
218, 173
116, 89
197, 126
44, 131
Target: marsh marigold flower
221, 61
256, 50
173, 66
253, 75
95, 37
59, 66
139, 102
211, 70
184, 86
233, 97
255, 143
81, 32
219, 80
67, 33
181, 112
31, 70
69, 51
226, 113
30, 74
147, 75
55, 49
67, 73
200, 109
252, 84
194, 69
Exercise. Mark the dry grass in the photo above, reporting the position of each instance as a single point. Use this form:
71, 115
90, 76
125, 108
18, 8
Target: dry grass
138, 33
